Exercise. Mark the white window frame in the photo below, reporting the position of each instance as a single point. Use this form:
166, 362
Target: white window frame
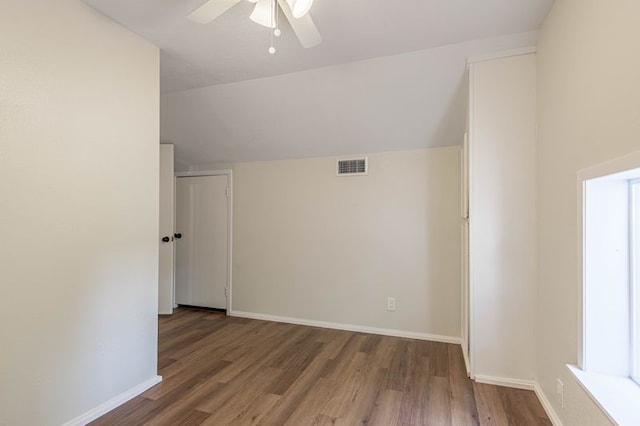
617, 396
634, 277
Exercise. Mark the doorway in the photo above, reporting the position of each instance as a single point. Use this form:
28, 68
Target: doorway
203, 240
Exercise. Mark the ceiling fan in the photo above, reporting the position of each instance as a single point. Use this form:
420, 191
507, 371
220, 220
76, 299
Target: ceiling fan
265, 13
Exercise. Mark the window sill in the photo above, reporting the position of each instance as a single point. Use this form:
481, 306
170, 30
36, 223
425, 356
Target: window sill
618, 397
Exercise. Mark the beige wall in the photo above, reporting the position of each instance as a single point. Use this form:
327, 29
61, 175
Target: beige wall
310, 245
79, 210
589, 112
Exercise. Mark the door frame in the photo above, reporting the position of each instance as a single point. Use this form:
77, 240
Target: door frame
229, 174
167, 152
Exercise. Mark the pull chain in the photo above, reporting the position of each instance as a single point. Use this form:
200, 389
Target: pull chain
274, 24
272, 49
276, 31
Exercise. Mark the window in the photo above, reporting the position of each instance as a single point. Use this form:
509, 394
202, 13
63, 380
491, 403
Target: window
606, 281
634, 264
609, 358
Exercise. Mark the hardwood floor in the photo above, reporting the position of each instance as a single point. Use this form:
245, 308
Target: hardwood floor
221, 370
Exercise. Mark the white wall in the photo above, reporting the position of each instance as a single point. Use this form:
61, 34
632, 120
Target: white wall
502, 214
310, 245
79, 210
588, 61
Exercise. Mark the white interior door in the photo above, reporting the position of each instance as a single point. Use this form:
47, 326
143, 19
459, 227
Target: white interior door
202, 251
466, 306
466, 347
165, 267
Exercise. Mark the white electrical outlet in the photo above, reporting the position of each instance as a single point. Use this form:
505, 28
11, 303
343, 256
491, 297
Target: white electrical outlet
391, 303
560, 392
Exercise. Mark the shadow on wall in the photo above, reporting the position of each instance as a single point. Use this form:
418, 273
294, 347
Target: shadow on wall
454, 117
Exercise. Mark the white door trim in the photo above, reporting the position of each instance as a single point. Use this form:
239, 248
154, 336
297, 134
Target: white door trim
166, 285
229, 174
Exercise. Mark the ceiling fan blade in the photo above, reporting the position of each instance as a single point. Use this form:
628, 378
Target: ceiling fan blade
211, 10
304, 27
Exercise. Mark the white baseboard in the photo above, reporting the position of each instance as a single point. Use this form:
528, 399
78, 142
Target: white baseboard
548, 408
502, 381
348, 327
527, 385
113, 403
467, 363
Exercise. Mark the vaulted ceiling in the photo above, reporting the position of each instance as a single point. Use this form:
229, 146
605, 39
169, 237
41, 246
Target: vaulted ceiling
389, 74
233, 48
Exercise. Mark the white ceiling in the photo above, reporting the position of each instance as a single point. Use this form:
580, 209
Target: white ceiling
389, 75
232, 48
410, 101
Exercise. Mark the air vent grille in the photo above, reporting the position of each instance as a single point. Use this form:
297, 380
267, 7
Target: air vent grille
351, 167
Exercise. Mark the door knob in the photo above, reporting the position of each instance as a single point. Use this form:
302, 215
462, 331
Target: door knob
166, 239
178, 235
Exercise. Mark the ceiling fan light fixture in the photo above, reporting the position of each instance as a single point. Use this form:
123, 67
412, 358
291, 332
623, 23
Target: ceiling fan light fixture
263, 14
299, 8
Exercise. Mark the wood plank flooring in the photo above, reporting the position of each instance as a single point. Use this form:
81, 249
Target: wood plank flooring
220, 370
